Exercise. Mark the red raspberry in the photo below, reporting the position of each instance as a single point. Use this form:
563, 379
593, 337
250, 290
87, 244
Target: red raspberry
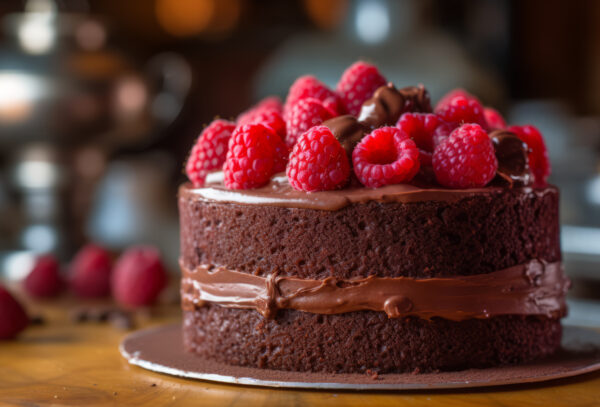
270, 103
385, 156
139, 277
318, 162
44, 280
453, 93
255, 154
268, 117
420, 127
209, 151
466, 159
305, 114
460, 109
13, 318
538, 154
310, 87
90, 272
357, 84
493, 118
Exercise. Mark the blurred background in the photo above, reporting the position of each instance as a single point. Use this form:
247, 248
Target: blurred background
100, 101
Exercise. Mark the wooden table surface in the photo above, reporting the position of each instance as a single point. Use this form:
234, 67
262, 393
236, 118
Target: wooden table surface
62, 363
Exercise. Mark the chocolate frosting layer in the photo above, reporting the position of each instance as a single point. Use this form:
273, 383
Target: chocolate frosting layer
278, 192
534, 288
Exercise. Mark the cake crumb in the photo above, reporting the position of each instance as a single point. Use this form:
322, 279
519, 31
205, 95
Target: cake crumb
114, 393
416, 371
153, 385
374, 375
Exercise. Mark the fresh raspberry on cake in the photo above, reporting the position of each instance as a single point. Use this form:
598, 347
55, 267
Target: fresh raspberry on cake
13, 318
460, 109
318, 162
89, 272
268, 117
308, 86
420, 127
255, 154
270, 103
493, 118
385, 156
209, 151
139, 277
305, 114
357, 84
451, 95
44, 280
466, 159
538, 154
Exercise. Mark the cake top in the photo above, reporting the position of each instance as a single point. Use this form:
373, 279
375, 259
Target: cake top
367, 134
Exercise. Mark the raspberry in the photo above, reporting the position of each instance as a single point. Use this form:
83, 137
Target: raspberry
453, 93
90, 272
268, 117
385, 156
209, 151
460, 109
357, 84
139, 277
420, 127
44, 280
466, 159
270, 103
13, 318
318, 162
493, 118
255, 154
305, 114
309, 86
538, 154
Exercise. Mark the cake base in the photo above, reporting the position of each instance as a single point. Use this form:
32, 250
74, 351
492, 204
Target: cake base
160, 349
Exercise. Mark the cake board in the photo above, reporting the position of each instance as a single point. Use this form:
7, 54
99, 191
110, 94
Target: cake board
160, 349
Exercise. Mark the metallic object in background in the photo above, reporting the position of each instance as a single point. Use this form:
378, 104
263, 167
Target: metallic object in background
67, 100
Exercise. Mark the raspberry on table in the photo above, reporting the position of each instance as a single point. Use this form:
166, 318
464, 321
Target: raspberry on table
305, 114
538, 154
318, 162
255, 154
44, 280
209, 151
90, 271
466, 159
139, 277
493, 118
357, 84
13, 318
385, 156
308, 86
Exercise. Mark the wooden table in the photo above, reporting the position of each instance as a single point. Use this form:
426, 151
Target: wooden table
63, 363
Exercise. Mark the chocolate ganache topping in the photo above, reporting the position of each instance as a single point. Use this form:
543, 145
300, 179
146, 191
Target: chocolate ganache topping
511, 152
278, 192
347, 130
534, 288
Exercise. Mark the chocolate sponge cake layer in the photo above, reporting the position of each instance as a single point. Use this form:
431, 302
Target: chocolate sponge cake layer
475, 235
357, 341
479, 233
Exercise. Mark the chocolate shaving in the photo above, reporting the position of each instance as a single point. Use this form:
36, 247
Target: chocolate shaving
513, 164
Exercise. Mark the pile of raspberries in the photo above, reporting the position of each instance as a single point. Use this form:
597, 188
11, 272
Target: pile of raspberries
451, 141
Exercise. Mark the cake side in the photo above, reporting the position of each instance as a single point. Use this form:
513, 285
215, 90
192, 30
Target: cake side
478, 234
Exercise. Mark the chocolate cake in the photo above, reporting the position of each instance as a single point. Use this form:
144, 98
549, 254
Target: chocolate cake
411, 276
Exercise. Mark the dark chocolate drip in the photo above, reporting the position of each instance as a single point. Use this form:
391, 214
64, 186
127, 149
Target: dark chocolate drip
417, 99
513, 164
347, 130
533, 288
